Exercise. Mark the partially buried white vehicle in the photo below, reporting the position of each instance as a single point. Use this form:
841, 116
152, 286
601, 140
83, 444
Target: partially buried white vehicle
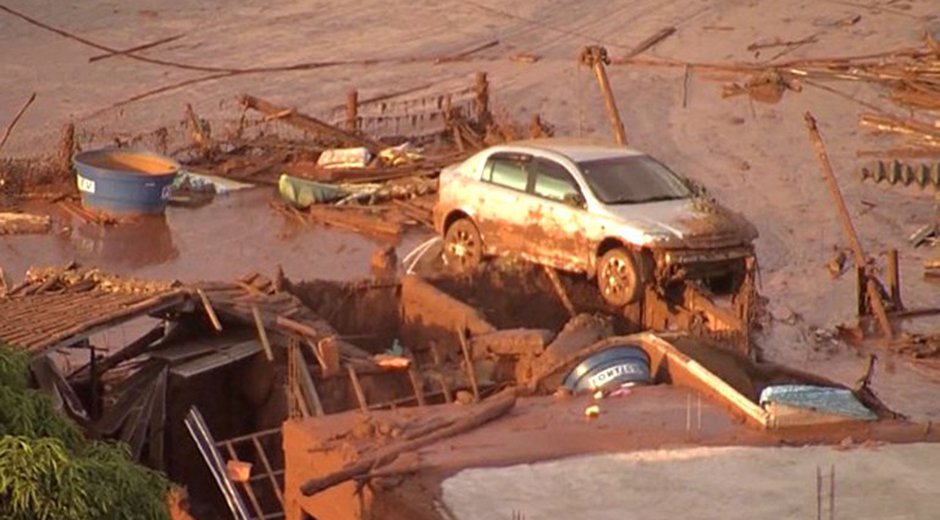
607, 211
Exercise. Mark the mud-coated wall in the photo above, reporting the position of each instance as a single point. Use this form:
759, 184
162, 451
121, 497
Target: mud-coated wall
432, 317
366, 312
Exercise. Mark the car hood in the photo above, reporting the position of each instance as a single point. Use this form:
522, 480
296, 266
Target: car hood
691, 223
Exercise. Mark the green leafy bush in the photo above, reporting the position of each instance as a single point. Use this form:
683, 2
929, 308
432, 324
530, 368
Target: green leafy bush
48, 470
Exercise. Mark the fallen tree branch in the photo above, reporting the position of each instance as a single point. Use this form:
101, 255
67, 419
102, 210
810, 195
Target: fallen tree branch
16, 118
134, 49
646, 44
478, 415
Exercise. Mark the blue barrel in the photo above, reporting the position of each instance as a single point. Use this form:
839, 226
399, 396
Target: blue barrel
125, 182
609, 369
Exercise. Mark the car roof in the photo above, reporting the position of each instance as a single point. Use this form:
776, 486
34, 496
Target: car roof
574, 148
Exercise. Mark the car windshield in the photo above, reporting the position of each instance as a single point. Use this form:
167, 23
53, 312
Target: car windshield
632, 180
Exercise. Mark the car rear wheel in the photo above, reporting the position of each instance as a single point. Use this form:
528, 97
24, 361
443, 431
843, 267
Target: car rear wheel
463, 249
618, 277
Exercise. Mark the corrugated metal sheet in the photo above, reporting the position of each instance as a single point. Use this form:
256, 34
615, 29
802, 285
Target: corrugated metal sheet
219, 358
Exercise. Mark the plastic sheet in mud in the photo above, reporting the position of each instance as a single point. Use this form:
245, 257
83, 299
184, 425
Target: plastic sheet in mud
837, 401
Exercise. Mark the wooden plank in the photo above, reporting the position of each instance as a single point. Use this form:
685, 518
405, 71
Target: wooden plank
560, 290
477, 415
262, 333
210, 312
308, 387
471, 370
311, 124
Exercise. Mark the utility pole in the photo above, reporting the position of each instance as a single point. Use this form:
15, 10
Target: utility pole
595, 56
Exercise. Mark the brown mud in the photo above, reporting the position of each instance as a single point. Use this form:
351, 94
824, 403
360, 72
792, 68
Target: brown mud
129, 162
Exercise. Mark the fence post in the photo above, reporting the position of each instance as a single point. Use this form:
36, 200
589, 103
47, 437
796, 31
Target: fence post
352, 110
482, 89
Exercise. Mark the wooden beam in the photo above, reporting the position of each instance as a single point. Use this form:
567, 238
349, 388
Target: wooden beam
471, 371
210, 312
477, 415
861, 260
312, 124
262, 333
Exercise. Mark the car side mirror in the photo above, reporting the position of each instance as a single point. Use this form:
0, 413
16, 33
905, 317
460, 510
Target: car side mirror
574, 199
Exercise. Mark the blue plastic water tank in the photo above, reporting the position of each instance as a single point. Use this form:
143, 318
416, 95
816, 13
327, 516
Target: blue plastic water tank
609, 369
125, 182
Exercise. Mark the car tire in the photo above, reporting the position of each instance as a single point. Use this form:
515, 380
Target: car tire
463, 247
619, 279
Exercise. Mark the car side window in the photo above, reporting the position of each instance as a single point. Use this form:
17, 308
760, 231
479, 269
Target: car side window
553, 181
509, 172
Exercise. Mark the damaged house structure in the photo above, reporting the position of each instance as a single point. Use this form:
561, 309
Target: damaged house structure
317, 399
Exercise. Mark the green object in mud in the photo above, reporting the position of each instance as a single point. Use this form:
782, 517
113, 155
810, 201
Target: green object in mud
304, 193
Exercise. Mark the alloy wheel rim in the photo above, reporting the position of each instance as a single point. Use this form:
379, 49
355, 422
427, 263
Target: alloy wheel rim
615, 276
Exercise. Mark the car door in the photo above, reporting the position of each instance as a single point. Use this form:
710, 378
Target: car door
560, 216
500, 214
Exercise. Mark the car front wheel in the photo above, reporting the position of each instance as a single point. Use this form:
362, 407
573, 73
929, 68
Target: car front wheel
463, 249
618, 277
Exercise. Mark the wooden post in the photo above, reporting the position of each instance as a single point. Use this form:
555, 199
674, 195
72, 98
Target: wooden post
352, 110
894, 279
860, 287
262, 333
66, 151
861, 260
595, 56
468, 359
482, 89
93, 367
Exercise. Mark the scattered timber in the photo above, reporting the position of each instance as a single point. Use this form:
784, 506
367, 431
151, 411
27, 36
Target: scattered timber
311, 124
477, 415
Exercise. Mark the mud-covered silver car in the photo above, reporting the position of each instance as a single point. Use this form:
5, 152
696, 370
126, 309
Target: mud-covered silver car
602, 210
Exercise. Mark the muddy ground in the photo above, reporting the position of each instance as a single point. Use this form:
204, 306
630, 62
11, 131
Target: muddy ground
754, 157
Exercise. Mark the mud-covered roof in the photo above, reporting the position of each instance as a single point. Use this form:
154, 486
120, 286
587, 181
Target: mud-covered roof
55, 307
